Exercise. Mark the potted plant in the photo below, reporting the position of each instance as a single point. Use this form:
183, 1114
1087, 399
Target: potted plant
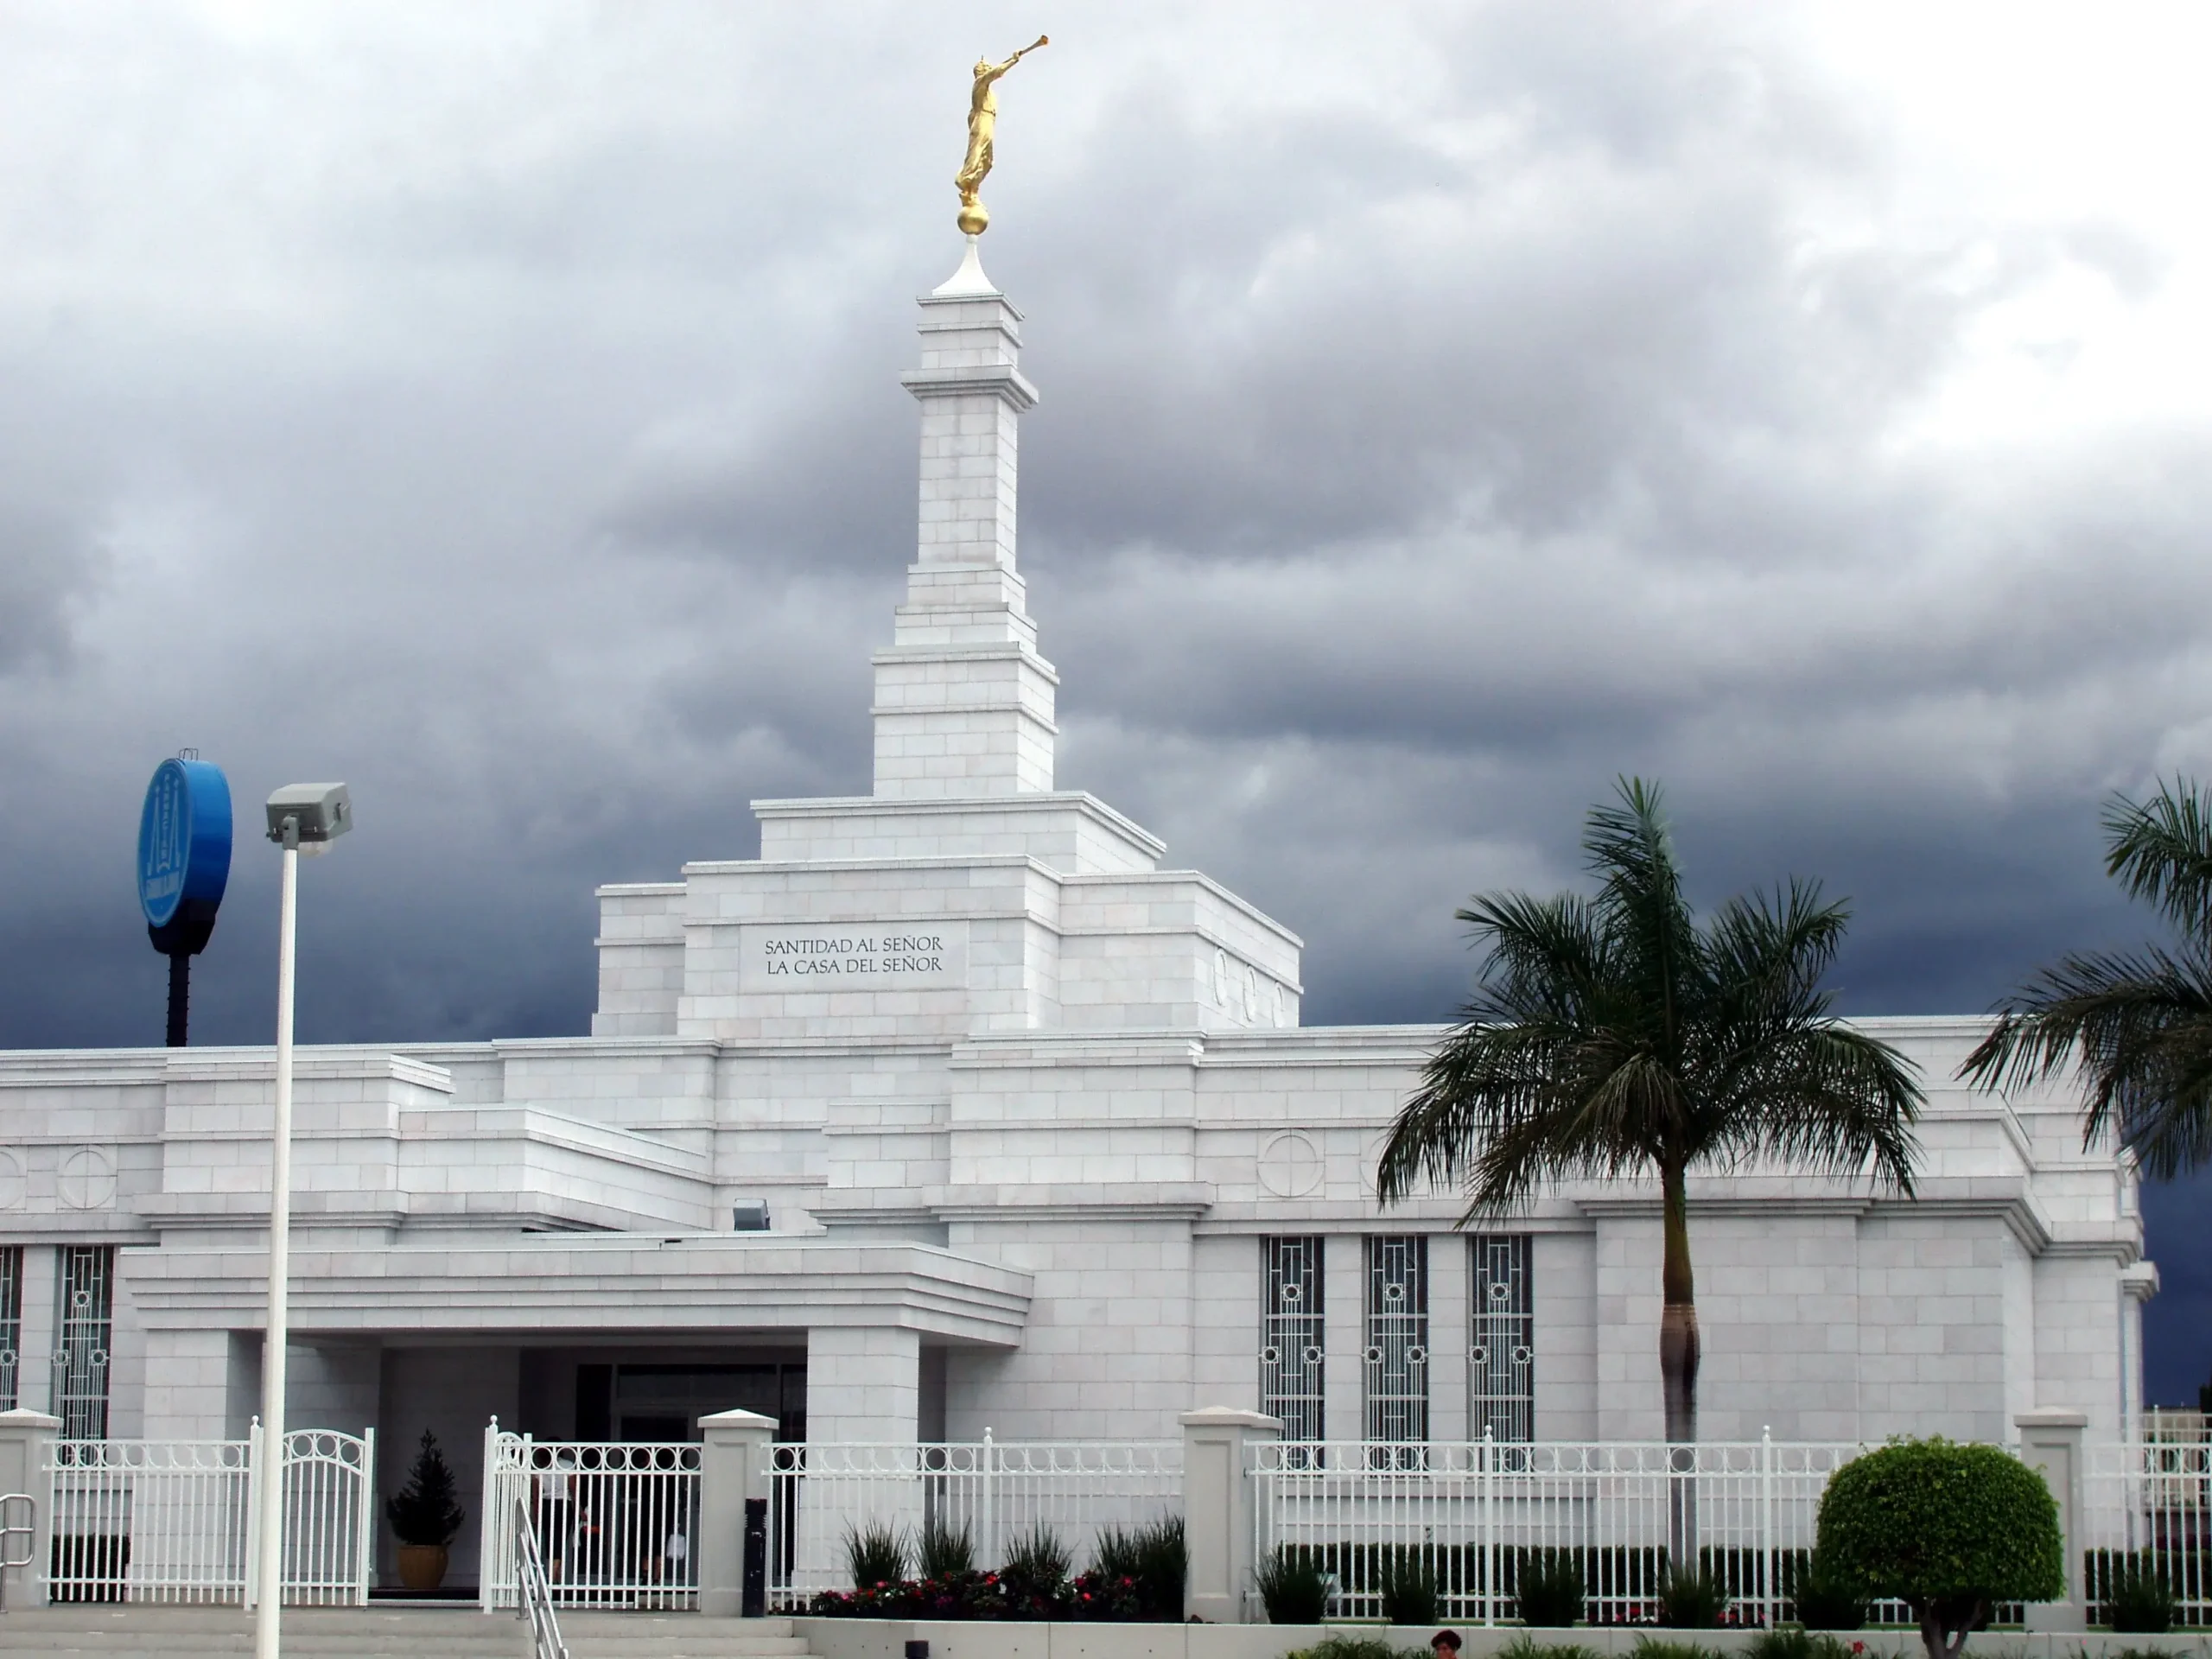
424, 1517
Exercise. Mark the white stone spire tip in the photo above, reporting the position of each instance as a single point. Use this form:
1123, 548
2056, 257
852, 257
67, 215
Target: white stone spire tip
968, 279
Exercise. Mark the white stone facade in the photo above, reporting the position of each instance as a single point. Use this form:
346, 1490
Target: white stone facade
1023, 1106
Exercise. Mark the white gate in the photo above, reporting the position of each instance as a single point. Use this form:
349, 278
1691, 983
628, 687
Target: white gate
614, 1520
177, 1521
329, 1516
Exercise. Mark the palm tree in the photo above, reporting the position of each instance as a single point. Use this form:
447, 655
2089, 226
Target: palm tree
1612, 1037
2138, 1024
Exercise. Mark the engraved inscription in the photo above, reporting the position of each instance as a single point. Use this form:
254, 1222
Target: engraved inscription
860, 957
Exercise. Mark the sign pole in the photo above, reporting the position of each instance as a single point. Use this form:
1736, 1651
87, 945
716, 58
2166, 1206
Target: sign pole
270, 1475
180, 999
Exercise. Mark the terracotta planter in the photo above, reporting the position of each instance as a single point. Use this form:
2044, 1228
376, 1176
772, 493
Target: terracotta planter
421, 1567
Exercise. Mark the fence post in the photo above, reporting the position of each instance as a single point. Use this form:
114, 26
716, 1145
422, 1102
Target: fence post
26, 1443
1219, 1508
990, 1541
1491, 1588
732, 1466
366, 1525
2050, 1443
1770, 1589
489, 1567
254, 1516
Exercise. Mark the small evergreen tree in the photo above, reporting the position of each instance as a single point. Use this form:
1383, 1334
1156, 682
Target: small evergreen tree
424, 1510
1950, 1530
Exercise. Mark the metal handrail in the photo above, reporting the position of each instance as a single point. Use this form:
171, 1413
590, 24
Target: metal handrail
535, 1598
27, 1531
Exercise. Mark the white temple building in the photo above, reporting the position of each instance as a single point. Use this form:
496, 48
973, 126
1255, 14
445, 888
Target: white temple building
959, 1106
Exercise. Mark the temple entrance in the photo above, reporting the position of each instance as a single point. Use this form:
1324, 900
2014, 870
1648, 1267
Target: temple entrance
663, 1400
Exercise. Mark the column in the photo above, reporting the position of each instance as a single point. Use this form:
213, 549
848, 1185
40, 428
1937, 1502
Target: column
1447, 1336
1343, 1337
42, 1331
2050, 1443
1218, 1495
863, 1393
188, 1386
733, 1467
863, 1385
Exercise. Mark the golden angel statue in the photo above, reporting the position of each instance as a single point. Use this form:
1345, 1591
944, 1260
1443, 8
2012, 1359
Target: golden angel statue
982, 122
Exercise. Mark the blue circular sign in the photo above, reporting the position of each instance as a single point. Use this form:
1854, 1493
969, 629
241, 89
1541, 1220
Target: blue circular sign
184, 841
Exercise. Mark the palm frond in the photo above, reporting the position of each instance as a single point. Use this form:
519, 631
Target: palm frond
2138, 1027
1613, 1035
1830, 1101
1641, 909
1481, 1077
2161, 850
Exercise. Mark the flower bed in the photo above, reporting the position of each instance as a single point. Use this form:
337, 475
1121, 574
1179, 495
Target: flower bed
1118, 1599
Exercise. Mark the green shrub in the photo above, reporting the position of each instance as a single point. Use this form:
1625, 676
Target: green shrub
2138, 1601
943, 1552
1692, 1601
1549, 1590
1408, 1589
1947, 1529
1647, 1647
1795, 1644
1525, 1646
1825, 1601
1154, 1558
1163, 1565
1338, 1645
874, 1555
1291, 1587
1035, 1575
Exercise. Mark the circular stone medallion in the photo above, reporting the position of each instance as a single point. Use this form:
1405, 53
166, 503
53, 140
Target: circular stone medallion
1290, 1164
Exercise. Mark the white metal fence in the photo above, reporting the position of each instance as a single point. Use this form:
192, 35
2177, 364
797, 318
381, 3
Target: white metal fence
614, 1520
1471, 1515
996, 1493
2149, 1503
177, 1521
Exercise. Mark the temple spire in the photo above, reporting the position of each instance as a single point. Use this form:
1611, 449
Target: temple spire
963, 703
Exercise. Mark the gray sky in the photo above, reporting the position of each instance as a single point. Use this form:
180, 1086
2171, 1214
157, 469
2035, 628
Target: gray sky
1447, 409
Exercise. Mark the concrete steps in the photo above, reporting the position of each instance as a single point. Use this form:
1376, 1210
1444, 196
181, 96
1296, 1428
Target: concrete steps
311, 1633
399, 1632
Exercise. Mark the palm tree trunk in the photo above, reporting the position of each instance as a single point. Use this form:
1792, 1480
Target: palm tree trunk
1678, 1355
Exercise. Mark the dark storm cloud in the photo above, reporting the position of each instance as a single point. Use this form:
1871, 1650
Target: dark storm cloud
1445, 411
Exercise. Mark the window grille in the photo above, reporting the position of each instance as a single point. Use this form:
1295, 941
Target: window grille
1501, 1339
11, 1322
85, 1292
1290, 1335
1397, 1340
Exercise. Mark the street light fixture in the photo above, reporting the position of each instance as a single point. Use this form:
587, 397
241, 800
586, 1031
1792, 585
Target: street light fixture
303, 818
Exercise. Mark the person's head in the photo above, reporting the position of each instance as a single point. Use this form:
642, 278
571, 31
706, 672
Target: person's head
1445, 1645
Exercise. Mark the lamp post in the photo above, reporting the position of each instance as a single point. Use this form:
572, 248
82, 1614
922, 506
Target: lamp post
303, 818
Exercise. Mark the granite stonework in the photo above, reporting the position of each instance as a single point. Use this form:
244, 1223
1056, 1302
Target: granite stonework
1021, 1103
